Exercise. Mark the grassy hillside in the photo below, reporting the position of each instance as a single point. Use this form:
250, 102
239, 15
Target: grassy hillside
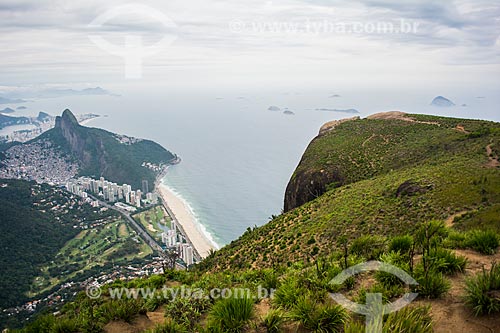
363, 149
396, 174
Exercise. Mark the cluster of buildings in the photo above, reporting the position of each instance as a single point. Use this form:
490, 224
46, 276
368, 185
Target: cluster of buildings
113, 192
39, 161
68, 290
175, 241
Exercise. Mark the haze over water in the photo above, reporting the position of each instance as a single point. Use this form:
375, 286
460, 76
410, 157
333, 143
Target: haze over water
237, 156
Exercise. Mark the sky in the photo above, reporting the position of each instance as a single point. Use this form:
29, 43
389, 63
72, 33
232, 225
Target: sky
248, 43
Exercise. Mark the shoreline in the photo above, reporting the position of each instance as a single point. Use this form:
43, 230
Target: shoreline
185, 219
86, 121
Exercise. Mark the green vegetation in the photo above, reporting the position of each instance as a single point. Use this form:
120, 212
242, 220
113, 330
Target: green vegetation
484, 241
169, 327
154, 221
409, 320
36, 221
91, 248
273, 321
380, 147
483, 291
318, 317
49, 237
231, 314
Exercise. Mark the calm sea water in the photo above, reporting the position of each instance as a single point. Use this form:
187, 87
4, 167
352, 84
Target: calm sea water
237, 156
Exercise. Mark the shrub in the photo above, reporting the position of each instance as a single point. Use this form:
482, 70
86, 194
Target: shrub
447, 262
409, 320
482, 292
169, 326
455, 240
484, 241
65, 325
318, 317
287, 293
187, 310
401, 244
396, 259
42, 324
273, 321
330, 318
354, 327
124, 309
389, 292
368, 246
231, 314
154, 302
269, 279
431, 284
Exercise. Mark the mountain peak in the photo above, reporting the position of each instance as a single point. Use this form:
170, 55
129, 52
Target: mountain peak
67, 118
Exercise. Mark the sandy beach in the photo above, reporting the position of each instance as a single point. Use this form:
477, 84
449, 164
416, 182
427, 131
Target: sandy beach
188, 222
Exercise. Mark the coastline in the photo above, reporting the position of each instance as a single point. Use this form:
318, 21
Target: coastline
183, 216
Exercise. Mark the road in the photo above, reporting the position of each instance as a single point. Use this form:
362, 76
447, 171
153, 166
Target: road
140, 231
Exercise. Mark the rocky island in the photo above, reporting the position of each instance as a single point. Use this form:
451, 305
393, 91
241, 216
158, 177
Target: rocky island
442, 102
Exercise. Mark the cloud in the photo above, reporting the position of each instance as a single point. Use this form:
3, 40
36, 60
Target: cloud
42, 39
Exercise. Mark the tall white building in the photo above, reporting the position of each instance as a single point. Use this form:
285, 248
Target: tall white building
169, 238
187, 254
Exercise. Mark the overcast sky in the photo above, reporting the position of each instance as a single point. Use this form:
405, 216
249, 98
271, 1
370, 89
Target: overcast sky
251, 42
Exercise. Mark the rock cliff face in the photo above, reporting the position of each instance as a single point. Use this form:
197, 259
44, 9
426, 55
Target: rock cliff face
77, 138
306, 185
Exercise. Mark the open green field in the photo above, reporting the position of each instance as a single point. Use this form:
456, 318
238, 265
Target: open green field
114, 242
154, 221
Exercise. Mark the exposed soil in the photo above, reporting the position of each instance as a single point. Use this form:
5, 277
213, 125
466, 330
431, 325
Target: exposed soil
460, 128
139, 324
449, 221
158, 316
492, 158
450, 313
399, 115
332, 124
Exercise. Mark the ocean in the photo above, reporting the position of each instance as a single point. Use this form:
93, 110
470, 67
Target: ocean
237, 156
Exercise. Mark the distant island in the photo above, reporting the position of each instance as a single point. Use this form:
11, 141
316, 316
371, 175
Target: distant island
273, 108
289, 113
22, 107
441, 102
338, 110
7, 110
